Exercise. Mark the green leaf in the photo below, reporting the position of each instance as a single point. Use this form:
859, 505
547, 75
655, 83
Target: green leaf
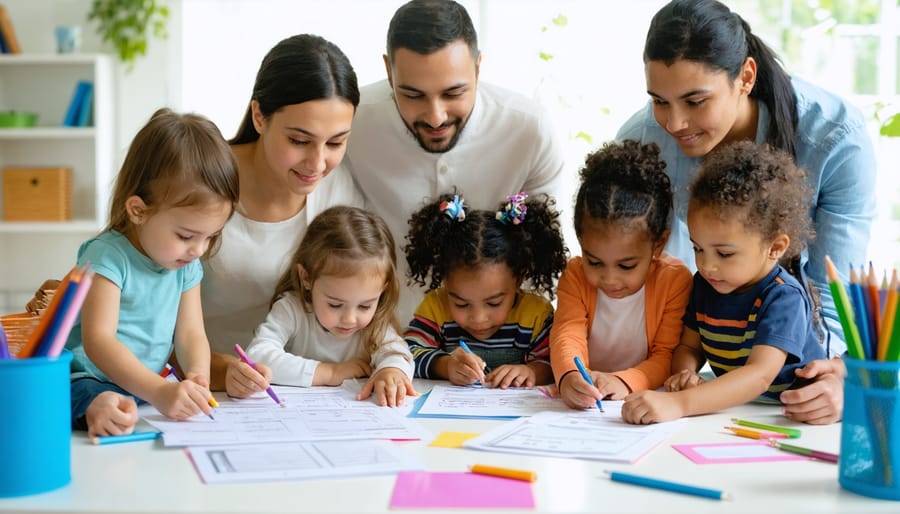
544, 56
585, 137
891, 126
561, 20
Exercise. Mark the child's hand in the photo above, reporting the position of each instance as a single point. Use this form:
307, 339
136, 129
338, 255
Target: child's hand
334, 374
464, 368
577, 393
645, 407
609, 385
391, 387
111, 413
242, 380
511, 375
181, 400
684, 379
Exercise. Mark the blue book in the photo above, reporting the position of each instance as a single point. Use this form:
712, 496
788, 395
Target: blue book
72, 113
86, 108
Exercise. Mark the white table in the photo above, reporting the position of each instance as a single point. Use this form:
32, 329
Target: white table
146, 477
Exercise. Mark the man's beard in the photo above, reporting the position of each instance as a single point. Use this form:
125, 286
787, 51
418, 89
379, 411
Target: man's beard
430, 146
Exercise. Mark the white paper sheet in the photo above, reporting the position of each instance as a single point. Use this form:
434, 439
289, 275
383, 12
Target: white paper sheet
295, 461
586, 434
458, 401
311, 414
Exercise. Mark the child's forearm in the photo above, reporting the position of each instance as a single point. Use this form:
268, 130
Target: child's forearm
734, 388
543, 373
194, 357
125, 370
685, 357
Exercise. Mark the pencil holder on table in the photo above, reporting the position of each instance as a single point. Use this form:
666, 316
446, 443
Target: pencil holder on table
870, 432
36, 430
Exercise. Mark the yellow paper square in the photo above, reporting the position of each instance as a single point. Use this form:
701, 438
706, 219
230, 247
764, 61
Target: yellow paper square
452, 439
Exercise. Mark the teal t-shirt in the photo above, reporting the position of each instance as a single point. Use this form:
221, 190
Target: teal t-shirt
148, 306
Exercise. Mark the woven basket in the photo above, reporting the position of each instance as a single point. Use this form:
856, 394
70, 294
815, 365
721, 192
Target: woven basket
18, 328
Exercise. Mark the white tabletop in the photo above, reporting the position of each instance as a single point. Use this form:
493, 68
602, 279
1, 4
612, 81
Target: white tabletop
146, 477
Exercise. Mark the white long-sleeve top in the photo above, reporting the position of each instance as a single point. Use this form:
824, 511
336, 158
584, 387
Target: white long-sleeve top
293, 343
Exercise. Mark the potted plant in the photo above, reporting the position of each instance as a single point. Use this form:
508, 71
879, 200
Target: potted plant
128, 24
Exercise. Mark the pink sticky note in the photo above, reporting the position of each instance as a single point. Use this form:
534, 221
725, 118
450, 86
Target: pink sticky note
730, 453
422, 489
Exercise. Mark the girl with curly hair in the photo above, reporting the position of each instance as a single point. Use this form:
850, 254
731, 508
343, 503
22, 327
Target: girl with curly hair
621, 301
477, 323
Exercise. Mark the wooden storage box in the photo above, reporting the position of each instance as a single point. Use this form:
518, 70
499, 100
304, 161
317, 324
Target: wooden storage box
37, 194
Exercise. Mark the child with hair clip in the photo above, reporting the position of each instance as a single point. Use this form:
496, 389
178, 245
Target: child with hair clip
747, 314
175, 191
332, 316
620, 303
476, 317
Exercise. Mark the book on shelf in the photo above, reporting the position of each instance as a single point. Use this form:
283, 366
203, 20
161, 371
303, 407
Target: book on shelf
79, 108
8, 33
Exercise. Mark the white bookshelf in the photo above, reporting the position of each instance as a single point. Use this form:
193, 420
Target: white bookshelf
45, 83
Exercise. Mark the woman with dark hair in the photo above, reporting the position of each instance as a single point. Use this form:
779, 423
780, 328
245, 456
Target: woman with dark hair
292, 137
712, 82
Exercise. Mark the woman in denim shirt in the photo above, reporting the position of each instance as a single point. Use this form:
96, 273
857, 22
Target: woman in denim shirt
712, 82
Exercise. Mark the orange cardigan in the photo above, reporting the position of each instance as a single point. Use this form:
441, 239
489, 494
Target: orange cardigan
666, 295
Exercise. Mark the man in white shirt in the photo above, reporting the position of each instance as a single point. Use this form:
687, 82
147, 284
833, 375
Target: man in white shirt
431, 127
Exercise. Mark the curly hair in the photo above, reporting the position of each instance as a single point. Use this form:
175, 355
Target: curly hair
625, 182
764, 185
534, 249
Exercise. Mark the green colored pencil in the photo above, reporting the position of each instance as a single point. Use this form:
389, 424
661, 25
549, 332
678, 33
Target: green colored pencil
845, 312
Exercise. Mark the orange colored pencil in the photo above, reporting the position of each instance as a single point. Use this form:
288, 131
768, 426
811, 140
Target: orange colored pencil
889, 319
755, 434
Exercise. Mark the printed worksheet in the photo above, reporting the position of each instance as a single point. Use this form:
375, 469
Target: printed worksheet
588, 434
296, 461
475, 402
309, 414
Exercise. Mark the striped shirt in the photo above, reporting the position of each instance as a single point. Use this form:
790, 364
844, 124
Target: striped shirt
775, 312
523, 338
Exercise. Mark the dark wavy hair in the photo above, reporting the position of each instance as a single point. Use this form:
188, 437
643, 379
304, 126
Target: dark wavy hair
708, 32
534, 249
296, 70
625, 182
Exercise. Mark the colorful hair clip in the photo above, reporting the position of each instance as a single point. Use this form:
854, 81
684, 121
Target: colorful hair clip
454, 208
514, 210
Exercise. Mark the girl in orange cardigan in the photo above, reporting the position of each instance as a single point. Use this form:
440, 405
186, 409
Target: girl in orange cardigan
621, 303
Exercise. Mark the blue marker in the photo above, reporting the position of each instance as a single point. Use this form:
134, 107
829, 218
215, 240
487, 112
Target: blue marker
587, 377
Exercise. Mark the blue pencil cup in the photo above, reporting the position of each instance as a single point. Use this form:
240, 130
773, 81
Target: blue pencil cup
36, 430
870, 431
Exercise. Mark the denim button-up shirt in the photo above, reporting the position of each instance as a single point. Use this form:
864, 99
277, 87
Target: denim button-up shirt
834, 148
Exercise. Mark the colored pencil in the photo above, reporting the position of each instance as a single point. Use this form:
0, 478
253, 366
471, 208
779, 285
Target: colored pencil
860, 314
515, 474
4, 345
790, 432
587, 377
127, 438
247, 361
816, 454
893, 346
871, 284
211, 402
665, 485
465, 347
845, 311
889, 318
755, 434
